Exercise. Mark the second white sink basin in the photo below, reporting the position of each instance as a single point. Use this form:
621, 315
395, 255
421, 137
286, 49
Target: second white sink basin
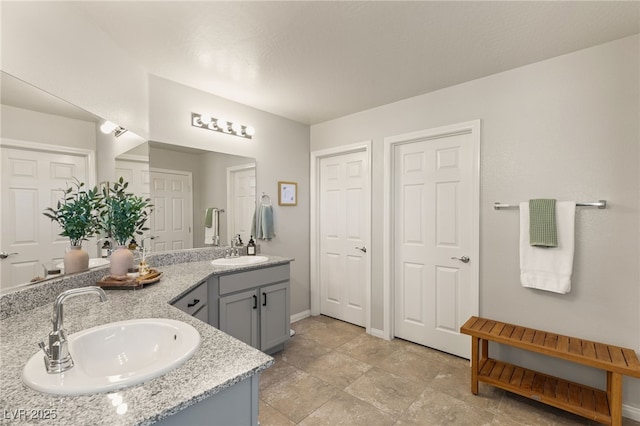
115, 356
239, 261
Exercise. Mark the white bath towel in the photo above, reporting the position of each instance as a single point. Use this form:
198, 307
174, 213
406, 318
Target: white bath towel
209, 235
548, 268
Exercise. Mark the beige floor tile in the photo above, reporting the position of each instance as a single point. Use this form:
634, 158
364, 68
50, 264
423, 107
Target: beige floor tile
300, 351
303, 326
369, 349
422, 367
456, 382
276, 373
344, 409
525, 411
269, 416
337, 369
386, 391
298, 395
436, 408
324, 319
331, 336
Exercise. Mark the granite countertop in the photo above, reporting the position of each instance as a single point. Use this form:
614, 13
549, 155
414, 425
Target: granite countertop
220, 362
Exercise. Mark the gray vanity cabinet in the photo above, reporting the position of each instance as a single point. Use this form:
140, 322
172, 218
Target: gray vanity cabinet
254, 306
195, 302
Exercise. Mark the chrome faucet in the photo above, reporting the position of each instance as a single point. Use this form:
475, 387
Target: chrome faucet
57, 357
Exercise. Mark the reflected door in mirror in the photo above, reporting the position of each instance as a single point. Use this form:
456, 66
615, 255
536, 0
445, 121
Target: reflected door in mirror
171, 220
31, 182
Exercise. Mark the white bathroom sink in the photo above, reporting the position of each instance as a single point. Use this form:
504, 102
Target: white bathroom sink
93, 262
115, 356
239, 261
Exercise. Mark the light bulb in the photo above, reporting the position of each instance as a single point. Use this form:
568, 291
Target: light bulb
250, 131
222, 124
237, 128
205, 119
108, 127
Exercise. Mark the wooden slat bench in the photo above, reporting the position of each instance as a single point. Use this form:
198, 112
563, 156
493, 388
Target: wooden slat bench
602, 406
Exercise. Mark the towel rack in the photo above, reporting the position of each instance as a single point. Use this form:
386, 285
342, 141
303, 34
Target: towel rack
265, 199
601, 204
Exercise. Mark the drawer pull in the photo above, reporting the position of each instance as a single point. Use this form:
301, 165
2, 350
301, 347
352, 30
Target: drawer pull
255, 301
195, 302
264, 299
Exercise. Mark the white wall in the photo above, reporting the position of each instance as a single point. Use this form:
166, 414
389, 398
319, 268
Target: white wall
280, 147
565, 128
32, 126
53, 46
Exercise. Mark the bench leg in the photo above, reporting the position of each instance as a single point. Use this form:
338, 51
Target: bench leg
614, 393
474, 365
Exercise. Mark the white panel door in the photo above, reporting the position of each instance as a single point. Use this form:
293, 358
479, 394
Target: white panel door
137, 174
171, 218
344, 220
433, 196
31, 182
242, 201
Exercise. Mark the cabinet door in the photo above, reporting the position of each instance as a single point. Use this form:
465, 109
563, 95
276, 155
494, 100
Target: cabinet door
239, 316
274, 315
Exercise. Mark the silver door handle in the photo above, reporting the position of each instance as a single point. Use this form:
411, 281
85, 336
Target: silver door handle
362, 249
463, 259
4, 255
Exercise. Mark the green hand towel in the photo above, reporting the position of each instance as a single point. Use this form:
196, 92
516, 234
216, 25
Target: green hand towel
208, 217
542, 223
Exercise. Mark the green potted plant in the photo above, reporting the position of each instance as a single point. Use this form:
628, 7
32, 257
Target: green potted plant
77, 214
123, 215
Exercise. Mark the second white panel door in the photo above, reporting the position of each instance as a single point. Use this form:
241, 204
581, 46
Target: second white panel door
433, 200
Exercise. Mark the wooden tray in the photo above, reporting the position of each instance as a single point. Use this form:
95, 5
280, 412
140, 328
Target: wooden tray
111, 282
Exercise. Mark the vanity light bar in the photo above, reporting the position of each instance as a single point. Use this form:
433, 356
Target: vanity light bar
221, 125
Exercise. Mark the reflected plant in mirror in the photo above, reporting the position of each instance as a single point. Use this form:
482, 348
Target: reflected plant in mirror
77, 214
123, 216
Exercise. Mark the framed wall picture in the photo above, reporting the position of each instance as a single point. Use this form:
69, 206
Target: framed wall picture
287, 193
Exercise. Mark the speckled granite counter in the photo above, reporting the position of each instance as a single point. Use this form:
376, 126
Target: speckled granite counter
220, 362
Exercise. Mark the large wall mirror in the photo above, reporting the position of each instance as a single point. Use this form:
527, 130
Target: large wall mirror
46, 142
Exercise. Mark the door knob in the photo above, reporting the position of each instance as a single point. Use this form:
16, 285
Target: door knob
362, 249
463, 259
4, 255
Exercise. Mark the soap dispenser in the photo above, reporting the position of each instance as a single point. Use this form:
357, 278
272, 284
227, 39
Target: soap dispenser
251, 247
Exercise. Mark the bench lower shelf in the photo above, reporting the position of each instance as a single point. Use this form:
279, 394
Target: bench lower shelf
579, 399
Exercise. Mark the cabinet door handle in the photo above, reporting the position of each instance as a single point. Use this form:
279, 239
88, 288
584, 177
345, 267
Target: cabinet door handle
264, 299
255, 301
195, 302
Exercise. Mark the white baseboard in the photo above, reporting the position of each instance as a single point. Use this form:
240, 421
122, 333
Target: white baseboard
631, 412
376, 333
301, 315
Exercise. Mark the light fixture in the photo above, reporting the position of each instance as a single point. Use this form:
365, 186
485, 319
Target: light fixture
221, 125
109, 127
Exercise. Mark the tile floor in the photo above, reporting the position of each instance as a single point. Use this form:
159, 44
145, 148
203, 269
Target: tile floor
333, 373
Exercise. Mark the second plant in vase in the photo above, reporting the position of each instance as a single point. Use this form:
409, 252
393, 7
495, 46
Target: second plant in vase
123, 216
77, 214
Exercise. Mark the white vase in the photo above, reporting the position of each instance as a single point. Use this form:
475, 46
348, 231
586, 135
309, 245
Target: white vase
75, 260
121, 261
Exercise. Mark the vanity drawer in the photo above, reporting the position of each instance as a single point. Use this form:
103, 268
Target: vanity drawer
252, 279
194, 300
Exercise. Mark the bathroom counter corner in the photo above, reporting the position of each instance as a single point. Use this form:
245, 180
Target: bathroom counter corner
219, 363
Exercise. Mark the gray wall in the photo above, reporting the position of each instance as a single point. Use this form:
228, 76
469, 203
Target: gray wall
280, 147
565, 128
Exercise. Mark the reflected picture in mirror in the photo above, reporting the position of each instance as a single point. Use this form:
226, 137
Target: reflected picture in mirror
43, 135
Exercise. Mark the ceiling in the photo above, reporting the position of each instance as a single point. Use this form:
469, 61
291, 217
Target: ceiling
313, 61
